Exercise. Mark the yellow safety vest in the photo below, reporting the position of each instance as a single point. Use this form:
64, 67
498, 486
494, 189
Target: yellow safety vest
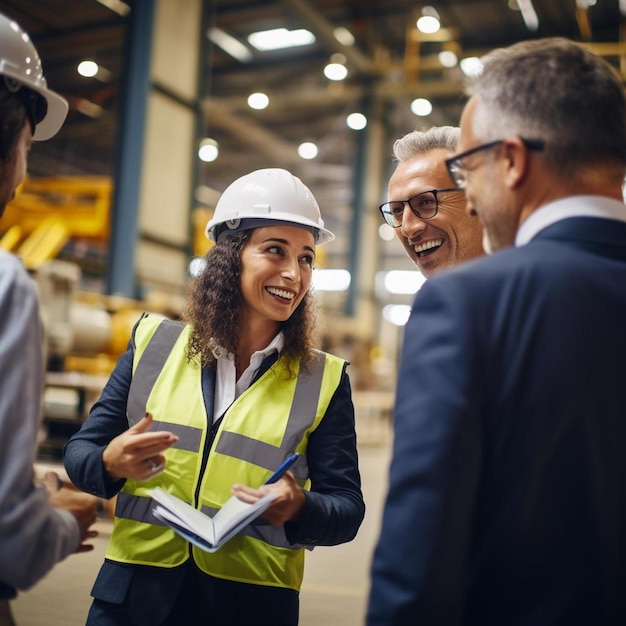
272, 418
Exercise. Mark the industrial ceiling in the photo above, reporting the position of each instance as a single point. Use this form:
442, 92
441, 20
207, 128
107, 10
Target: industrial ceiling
389, 65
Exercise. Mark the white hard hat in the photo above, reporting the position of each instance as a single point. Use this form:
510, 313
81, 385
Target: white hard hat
20, 66
265, 196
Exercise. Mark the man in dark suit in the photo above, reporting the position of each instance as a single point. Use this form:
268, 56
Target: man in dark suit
507, 496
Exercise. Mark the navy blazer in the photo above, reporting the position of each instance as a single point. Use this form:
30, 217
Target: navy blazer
508, 480
332, 513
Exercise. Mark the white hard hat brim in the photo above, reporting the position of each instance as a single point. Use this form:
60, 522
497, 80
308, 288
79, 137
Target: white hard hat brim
323, 235
55, 115
20, 64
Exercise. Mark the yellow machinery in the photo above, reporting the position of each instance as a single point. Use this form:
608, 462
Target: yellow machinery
47, 212
87, 331
84, 332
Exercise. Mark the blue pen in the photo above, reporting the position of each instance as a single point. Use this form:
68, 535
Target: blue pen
284, 466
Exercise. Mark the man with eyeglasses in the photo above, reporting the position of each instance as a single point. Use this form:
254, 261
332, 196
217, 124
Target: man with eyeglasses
431, 222
507, 489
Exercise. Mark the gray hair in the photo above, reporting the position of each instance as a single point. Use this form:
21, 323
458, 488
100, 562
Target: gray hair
417, 142
556, 91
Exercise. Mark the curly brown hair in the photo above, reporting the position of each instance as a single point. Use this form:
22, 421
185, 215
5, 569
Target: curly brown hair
214, 308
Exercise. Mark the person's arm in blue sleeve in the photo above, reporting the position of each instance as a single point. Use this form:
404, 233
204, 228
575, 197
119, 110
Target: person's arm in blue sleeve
107, 419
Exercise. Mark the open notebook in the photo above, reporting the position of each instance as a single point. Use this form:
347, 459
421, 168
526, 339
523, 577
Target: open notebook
208, 533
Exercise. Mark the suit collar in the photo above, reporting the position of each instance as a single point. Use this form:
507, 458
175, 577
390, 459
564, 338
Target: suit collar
598, 235
573, 206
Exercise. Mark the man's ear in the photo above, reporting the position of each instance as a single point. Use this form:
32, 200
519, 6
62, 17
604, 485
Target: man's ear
517, 162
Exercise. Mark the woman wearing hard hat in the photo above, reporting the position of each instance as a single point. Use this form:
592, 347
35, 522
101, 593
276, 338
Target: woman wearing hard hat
210, 408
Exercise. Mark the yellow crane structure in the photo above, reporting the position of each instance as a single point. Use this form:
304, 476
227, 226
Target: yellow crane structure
47, 212
85, 332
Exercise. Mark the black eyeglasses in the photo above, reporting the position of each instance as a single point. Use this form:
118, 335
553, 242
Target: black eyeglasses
424, 205
458, 170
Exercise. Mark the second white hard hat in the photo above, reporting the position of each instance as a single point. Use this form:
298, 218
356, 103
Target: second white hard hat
20, 66
270, 194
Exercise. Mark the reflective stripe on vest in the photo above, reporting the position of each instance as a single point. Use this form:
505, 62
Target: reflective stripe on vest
147, 371
260, 554
240, 446
301, 416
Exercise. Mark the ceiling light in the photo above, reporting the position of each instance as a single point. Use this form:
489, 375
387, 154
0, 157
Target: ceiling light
258, 101
307, 150
88, 69
209, 150
471, 66
421, 107
196, 265
430, 11
335, 71
88, 108
356, 121
428, 24
397, 314
343, 36
279, 38
331, 280
403, 282
529, 14
385, 232
117, 6
447, 58
229, 44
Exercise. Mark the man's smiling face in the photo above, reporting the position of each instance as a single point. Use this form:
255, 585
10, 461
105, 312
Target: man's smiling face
452, 236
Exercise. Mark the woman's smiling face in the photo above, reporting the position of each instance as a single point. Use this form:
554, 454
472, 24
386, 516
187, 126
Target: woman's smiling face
276, 272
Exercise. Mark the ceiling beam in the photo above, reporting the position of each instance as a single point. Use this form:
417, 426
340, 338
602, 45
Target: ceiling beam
249, 132
88, 38
323, 29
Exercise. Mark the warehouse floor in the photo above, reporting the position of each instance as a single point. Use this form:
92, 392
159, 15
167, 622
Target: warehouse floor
336, 579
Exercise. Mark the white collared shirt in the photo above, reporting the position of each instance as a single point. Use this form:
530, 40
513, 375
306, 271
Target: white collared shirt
573, 206
227, 387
